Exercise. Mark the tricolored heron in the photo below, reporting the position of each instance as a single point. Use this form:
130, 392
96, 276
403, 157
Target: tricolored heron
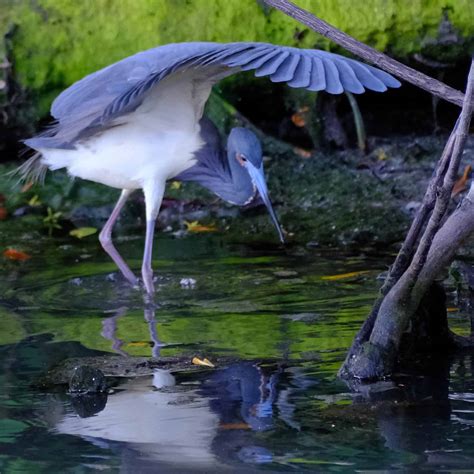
137, 123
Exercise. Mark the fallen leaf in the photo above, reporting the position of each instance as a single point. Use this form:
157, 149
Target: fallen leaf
82, 232
234, 426
26, 187
343, 276
194, 226
299, 117
3, 213
175, 185
302, 152
204, 362
34, 201
13, 254
461, 184
138, 344
452, 310
381, 154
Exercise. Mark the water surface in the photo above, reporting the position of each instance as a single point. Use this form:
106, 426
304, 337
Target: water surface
284, 318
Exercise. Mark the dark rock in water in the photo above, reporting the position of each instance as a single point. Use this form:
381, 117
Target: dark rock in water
89, 404
87, 379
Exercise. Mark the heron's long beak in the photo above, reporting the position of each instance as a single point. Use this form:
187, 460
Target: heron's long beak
258, 177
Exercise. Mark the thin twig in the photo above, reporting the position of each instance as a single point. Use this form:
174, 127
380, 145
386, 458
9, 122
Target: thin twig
371, 55
358, 122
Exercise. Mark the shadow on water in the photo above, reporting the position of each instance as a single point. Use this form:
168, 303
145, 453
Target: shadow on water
283, 320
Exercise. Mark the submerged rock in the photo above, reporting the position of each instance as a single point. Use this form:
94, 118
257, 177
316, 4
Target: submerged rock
89, 404
187, 283
87, 379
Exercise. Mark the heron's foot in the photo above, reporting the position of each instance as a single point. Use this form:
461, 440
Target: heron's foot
147, 275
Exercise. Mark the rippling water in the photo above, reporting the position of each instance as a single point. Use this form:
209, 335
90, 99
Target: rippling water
285, 319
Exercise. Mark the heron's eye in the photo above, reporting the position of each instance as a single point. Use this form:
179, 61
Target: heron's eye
241, 159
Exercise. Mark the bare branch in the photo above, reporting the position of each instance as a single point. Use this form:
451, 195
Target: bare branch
460, 133
457, 228
369, 54
401, 301
375, 348
407, 250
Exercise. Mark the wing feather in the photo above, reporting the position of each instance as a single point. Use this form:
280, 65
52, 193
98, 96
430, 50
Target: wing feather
366, 77
302, 75
348, 78
271, 66
331, 73
244, 57
383, 76
318, 77
260, 61
286, 71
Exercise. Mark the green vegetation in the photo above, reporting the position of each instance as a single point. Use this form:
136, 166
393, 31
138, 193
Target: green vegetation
56, 42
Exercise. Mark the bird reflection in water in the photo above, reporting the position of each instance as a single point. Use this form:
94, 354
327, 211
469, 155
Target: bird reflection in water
189, 419
243, 395
194, 418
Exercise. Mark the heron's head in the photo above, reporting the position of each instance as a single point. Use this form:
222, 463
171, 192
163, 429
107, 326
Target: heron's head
244, 147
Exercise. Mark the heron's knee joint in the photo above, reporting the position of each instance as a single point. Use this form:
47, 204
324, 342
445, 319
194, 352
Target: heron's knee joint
105, 239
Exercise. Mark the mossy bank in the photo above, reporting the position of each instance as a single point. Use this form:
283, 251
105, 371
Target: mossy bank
56, 42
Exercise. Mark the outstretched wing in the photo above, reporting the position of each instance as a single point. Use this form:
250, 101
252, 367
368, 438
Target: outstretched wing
98, 100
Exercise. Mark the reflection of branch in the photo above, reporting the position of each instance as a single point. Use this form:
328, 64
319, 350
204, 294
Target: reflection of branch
371, 55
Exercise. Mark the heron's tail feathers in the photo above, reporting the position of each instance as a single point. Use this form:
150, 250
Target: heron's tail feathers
32, 170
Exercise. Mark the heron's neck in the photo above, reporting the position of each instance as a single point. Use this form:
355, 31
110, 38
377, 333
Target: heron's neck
242, 190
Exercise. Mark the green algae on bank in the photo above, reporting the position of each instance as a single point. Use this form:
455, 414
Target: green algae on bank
56, 42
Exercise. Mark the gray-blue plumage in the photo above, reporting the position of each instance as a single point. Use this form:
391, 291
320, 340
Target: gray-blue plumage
235, 172
218, 171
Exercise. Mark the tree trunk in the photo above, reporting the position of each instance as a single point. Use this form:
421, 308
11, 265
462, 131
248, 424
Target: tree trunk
377, 356
428, 247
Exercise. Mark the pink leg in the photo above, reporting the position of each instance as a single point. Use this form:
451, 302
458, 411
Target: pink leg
153, 191
147, 271
105, 238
